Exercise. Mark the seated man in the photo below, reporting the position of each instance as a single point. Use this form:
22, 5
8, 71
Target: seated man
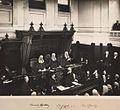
67, 57
64, 59
116, 26
115, 61
69, 78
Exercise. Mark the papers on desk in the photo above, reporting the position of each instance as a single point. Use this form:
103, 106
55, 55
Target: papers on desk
62, 88
76, 83
7, 81
74, 65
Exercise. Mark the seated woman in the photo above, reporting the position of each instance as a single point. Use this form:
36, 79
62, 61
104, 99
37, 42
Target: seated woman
54, 62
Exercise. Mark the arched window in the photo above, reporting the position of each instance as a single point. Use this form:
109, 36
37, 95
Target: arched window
64, 5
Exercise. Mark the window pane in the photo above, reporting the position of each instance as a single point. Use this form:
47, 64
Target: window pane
37, 4
64, 5
63, 2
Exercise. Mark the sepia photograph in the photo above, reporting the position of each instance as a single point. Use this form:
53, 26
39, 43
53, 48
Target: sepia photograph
59, 48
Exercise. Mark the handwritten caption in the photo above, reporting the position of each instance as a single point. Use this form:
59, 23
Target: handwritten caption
46, 106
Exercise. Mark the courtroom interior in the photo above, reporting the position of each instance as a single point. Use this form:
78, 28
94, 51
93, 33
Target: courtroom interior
59, 47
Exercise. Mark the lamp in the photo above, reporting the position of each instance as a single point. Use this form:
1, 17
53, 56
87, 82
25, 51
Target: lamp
0, 1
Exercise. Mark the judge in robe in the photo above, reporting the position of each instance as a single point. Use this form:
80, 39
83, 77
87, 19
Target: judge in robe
43, 74
64, 60
116, 26
47, 61
33, 66
67, 58
41, 63
61, 61
54, 62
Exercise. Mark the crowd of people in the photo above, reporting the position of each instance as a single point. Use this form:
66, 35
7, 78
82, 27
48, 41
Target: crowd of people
46, 73
105, 72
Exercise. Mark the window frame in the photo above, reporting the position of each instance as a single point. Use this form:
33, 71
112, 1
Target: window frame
7, 10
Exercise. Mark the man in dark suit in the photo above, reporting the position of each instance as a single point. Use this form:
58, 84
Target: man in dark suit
68, 78
116, 26
107, 61
115, 63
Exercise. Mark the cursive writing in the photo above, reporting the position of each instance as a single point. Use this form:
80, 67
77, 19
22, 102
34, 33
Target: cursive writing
88, 106
40, 105
64, 106
44, 106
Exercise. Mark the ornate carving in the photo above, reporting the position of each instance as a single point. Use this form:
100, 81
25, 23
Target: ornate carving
65, 27
41, 27
6, 37
31, 27
72, 27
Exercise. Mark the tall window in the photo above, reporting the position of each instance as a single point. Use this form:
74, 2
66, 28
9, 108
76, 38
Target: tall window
64, 5
37, 4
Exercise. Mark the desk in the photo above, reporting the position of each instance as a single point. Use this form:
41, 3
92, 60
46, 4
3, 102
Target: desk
76, 90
